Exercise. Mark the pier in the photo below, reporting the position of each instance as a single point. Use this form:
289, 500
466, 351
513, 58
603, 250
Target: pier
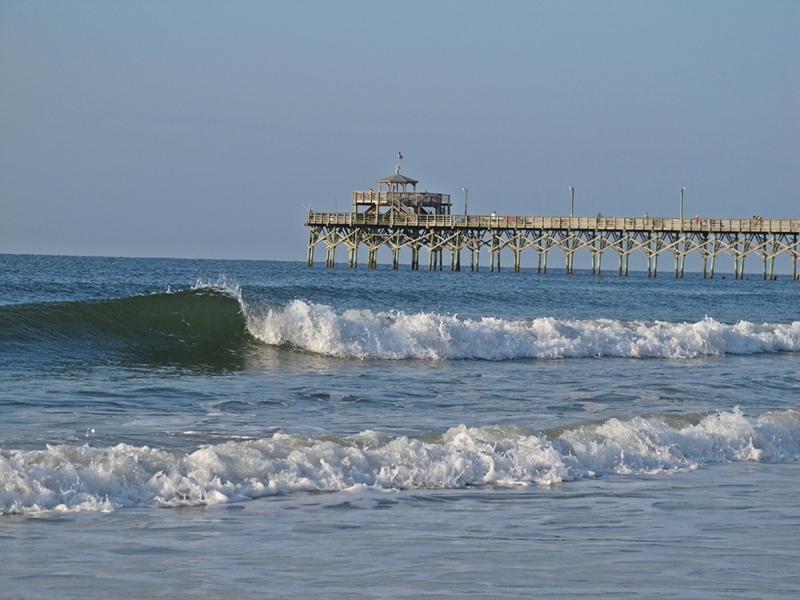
422, 221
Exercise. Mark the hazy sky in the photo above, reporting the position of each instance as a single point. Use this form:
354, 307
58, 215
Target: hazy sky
206, 129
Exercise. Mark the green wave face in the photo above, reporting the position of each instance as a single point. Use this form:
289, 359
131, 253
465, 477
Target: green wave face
203, 328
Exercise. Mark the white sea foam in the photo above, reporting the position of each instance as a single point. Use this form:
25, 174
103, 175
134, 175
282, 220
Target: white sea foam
399, 335
80, 478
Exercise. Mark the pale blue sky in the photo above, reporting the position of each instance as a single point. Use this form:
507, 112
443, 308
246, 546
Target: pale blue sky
205, 129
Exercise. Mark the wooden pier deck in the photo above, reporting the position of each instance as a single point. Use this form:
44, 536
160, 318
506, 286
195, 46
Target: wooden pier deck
710, 238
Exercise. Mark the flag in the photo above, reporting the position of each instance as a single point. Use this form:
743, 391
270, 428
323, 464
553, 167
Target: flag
399, 156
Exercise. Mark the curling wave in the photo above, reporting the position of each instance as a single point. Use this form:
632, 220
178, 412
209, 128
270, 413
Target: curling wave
203, 325
79, 478
399, 335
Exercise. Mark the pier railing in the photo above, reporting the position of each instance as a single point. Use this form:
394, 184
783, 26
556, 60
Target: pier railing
385, 198
655, 224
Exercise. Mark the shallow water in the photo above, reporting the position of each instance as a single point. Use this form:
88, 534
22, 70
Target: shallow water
727, 531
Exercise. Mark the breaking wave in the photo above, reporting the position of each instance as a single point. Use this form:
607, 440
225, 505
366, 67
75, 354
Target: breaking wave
213, 325
83, 478
366, 334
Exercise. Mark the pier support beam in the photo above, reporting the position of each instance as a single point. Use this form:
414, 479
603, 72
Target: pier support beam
394, 243
570, 252
596, 249
704, 251
714, 251
493, 251
544, 250
626, 245
352, 256
312, 241
372, 257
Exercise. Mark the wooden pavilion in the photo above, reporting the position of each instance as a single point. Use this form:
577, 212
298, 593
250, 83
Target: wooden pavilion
394, 196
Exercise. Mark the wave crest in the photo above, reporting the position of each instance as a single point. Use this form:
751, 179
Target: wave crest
366, 334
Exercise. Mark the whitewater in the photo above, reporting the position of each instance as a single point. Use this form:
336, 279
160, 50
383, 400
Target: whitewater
398, 335
70, 478
230, 428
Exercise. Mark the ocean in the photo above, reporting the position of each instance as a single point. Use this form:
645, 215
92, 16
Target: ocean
241, 429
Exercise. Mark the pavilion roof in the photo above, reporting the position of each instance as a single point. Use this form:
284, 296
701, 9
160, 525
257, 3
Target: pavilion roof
398, 178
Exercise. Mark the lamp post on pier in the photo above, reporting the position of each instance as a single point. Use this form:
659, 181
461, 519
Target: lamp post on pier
466, 200
682, 190
572, 203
